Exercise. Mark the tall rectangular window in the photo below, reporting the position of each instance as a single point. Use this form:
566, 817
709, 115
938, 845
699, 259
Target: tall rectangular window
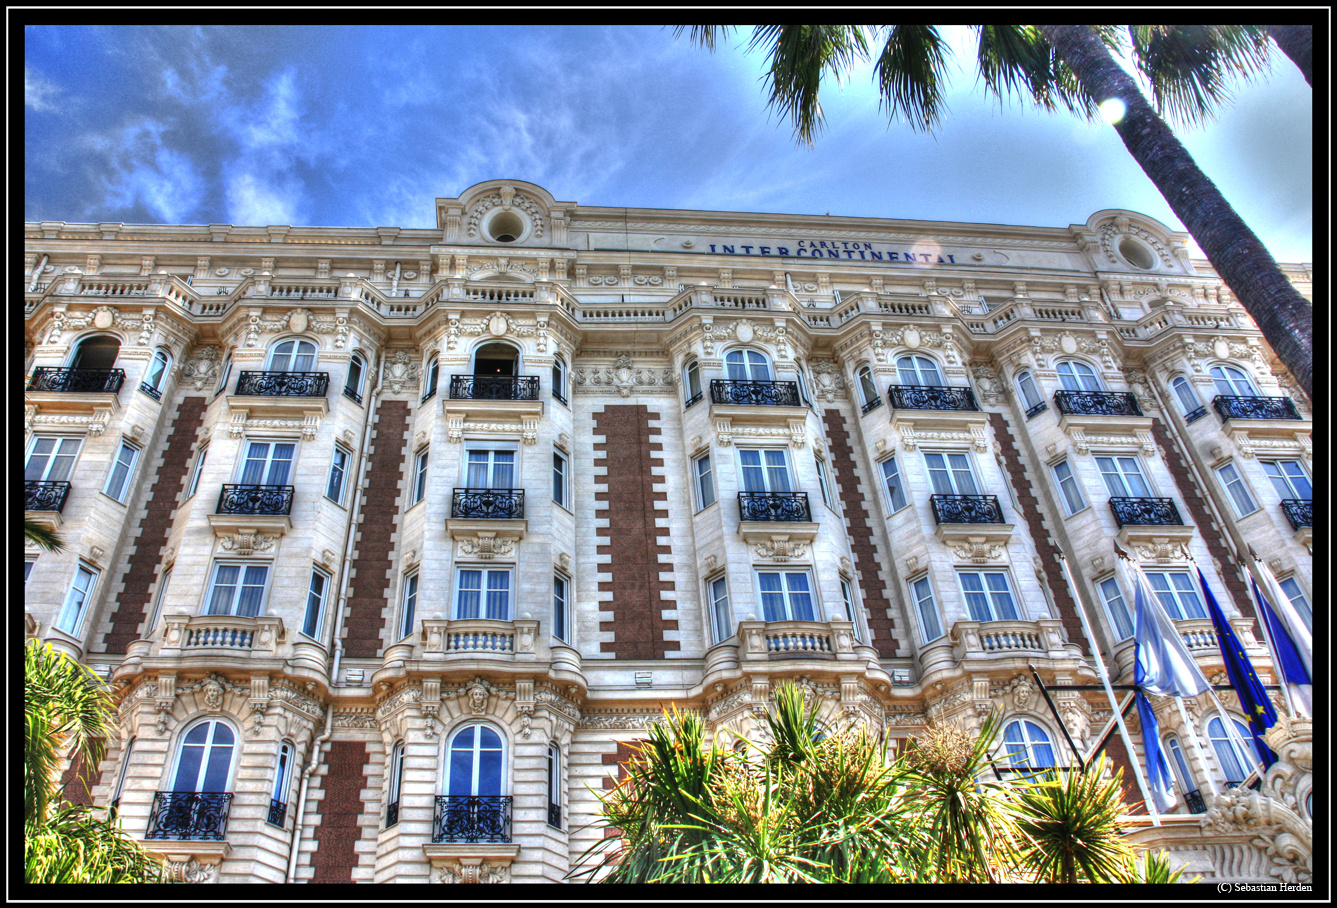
764, 470
930, 626
409, 606
1289, 479
786, 596
559, 471
76, 600
891, 476
237, 589
159, 599
988, 596
267, 463
195, 473
559, 609
1123, 477
951, 474
118, 480
554, 786
705, 482
334, 489
1178, 594
419, 477
721, 621
483, 593
847, 593
1297, 597
1234, 485
315, 602
821, 481
1117, 608
27, 571
1067, 485
51, 459
489, 469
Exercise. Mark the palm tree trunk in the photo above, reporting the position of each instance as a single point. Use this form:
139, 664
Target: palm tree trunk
1296, 42
1239, 257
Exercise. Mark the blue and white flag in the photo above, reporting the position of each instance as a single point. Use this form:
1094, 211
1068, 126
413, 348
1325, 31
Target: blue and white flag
1163, 664
1286, 656
1158, 772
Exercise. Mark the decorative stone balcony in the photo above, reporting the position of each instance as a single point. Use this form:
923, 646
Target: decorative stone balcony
253, 509
757, 409
487, 522
469, 640
972, 521
1114, 417
779, 524
89, 393
763, 641
282, 394
1153, 521
43, 501
937, 413
221, 635
1008, 639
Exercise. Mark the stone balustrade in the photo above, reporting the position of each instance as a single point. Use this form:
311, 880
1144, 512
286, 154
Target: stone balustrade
764, 641
184, 635
990, 639
479, 637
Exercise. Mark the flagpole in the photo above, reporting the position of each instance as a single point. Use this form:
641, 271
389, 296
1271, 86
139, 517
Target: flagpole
1292, 627
1147, 799
1261, 571
1271, 648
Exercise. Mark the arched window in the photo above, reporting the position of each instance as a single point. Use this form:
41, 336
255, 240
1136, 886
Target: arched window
294, 355
691, 381
1179, 765
559, 379
396, 783
1075, 376
156, 376
1187, 397
554, 786
802, 387
430, 376
1233, 382
204, 758
747, 365
224, 373
868, 395
357, 370
1030, 395
496, 359
473, 808
1234, 762
1027, 745
278, 795
918, 370
96, 354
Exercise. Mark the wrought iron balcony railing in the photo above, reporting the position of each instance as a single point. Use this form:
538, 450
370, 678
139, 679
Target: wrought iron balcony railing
1097, 403
45, 496
278, 812
1193, 799
494, 387
1299, 511
488, 504
1145, 512
189, 815
555, 816
871, 405
391, 814
1195, 415
352, 395
255, 499
150, 390
755, 393
1037, 410
931, 397
790, 506
1254, 407
966, 508
98, 381
694, 399
472, 818
283, 384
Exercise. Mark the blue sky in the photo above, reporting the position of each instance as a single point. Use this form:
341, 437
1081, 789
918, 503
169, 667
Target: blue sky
366, 126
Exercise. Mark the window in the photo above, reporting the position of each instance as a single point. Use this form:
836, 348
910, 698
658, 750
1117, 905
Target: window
705, 483
76, 600
1297, 597
1181, 770
356, 372
1117, 607
419, 478
432, 373
930, 628
237, 589
1027, 745
278, 796
159, 599
821, 481
195, 473
1187, 397
988, 596
691, 383
156, 376
409, 605
747, 365
918, 370
315, 602
1067, 484
27, 570
1030, 395
558, 478
224, 373
764, 470
560, 614
120, 776
334, 489
1178, 593
51, 459
490, 470
1289, 479
950, 474
118, 480
292, 356
1239, 495
554, 786
267, 463
868, 395
204, 761
559, 379
483, 593
1234, 762
1074, 376
786, 596
721, 621
474, 768
891, 475
396, 784
847, 595
802, 386
1123, 477
1232, 382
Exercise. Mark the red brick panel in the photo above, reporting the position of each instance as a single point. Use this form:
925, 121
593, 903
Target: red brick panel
1028, 505
619, 758
78, 781
339, 830
876, 599
371, 585
638, 604
142, 567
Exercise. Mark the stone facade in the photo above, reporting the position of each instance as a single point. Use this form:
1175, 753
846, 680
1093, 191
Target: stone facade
452, 513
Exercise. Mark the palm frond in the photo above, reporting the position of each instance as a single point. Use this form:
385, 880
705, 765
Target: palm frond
77, 846
1191, 67
1072, 822
799, 56
911, 75
704, 35
43, 536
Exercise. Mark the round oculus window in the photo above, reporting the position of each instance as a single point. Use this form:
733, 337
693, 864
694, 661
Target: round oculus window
506, 227
1136, 254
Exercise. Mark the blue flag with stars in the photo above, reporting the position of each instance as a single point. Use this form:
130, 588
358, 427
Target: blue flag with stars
1242, 676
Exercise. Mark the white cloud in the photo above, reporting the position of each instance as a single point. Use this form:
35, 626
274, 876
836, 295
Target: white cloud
143, 170
257, 199
39, 93
260, 184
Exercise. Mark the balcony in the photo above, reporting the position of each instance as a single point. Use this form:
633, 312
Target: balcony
278, 813
1153, 521
490, 400
494, 387
974, 522
966, 509
221, 636
252, 509
77, 381
1036, 410
1011, 641
1097, 403
1299, 511
479, 638
283, 394
773, 506
931, 397
768, 641
1194, 802
1254, 408
45, 496
472, 819
89, 392
189, 815
731, 392
488, 504
283, 384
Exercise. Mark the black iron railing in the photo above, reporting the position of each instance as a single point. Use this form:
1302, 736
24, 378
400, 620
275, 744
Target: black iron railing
931, 397
391, 814
1037, 409
1195, 415
352, 395
189, 815
555, 816
1193, 799
150, 390
45, 496
472, 818
494, 504
1254, 407
1145, 512
790, 506
695, 398
494, 387
871, 405
278, 812
1097, 403
283, 384
966, 508
1010, 770
255, 499
755, 393
106, 381
1299, 511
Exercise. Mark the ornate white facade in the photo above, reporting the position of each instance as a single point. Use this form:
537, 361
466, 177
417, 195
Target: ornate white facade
397, 538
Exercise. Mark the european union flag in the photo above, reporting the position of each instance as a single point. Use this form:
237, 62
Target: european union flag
1242, 677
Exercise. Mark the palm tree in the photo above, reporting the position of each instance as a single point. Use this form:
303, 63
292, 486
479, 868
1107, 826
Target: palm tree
66, 710
1068, 66
1072, 827
46, 537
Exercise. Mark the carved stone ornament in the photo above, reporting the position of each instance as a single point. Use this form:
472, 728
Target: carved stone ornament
192, 871
201, 369
978, 552
780, 549
401, 372
1022, 687
989, 387
486, 546
471, 871
246, 543
478, 694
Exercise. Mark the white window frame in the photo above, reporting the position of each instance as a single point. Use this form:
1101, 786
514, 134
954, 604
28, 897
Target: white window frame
27, 570
561, 469
554, 780
485, 572
282, 776
288, 360
1120, 462
1185, 394
503, 781
224, 374
691, 382
766, 469
788, 594
159, 598
419, 490
431, 377
320, 600
491, 449
338, 496
914, 363
159, 355
559, 380
121, 775
1281, 478
77, 597
821, 480
200, 456
851, 611
408, 603
926, 609
119, 494
1238, 493
1173, 599
234, 748
266, 472
1247, 760
703, 481
747, 369
1227, 384
242, 566
561, 607
60, 441
951, 472
1077, 380
717, 602
1068, 488
1027, 756
887, 483
395, 789
1298, 599
1116, 608
1025, 379
358, 360
991, 595
1179, 767
867, 387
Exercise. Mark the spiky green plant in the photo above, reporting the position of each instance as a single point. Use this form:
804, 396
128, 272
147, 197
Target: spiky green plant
1071, 819
43, 536
1154, 867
